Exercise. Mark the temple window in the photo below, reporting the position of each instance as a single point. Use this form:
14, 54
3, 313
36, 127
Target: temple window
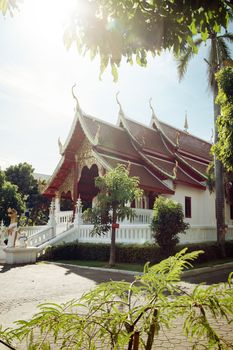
188, 209
231, 211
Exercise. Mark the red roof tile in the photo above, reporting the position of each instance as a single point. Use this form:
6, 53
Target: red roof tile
188, 143
149, 139
181, 175
109, 137
147, 179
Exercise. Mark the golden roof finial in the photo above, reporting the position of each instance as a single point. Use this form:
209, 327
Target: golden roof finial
118, 102
154, 119
76, 99
186, 122
175, 169
178, 139
60, 145
97, 135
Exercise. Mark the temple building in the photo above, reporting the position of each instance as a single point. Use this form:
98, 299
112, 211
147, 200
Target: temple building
168, 161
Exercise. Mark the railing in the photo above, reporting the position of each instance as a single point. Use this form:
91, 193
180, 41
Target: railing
64, 217
63, 220
138, 234
125, 234
41, 237
143, 216
31, 230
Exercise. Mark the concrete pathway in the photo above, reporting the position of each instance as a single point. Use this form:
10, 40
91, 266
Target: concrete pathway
22, 288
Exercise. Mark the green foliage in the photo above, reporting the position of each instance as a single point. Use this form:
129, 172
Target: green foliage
116, 190
130, 253
9, 197
133, 29
223, 148
21, 175
210, 182
167, 222
219, 52
8, 6
120, 315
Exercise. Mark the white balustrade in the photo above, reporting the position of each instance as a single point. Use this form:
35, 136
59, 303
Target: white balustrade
31, 230
138, 234
41, 237
63, 220
143, 216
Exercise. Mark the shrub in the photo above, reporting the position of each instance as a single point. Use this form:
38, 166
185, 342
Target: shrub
167, 222
130, 253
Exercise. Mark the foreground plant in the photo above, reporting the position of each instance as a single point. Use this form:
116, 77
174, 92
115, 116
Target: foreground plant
122, 315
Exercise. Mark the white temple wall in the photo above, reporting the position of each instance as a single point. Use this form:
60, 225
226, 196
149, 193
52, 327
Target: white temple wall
202, 204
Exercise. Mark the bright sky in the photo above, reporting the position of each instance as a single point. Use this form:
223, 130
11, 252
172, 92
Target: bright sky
37, 73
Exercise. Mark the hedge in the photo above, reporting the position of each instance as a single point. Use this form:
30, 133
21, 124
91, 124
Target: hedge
138, 254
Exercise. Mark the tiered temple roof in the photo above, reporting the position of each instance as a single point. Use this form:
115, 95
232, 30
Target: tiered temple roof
160, 155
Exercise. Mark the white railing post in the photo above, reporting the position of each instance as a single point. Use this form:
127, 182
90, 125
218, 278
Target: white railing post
78, 213
2, 232
52, 219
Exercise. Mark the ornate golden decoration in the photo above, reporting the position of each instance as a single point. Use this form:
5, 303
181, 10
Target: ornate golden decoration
86, 157
68, 184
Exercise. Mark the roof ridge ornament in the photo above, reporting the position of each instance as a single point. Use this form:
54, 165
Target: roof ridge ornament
175, 169
177, 139
118, 102
186, 126
78, 109
60, 146
97, 135
154, 117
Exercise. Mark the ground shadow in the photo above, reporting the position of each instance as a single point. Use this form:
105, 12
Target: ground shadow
7, 267
96, 274
210, 277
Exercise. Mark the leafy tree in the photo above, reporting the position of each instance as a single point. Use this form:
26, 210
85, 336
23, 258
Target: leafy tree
9, 197
167, 223
8, 6
122, 315
219, 52
21, 175
133, 28
224, 146
117, 189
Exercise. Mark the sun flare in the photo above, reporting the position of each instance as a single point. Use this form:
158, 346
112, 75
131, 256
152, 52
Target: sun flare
46, 19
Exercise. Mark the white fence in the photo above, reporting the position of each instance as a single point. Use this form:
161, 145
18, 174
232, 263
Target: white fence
133, 233
41, 237
137, 234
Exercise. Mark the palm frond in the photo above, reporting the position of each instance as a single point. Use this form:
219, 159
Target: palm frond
183, 59
212, 63
227, 37
224, 50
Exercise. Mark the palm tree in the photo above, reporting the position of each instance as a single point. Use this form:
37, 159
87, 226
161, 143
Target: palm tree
219, 52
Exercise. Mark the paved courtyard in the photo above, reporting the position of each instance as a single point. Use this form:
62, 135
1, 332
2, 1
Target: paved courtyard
22, 288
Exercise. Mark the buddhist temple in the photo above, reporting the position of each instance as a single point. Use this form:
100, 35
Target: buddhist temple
167, 160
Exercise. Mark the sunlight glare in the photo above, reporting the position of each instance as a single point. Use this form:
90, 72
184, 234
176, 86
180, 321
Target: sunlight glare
46, 19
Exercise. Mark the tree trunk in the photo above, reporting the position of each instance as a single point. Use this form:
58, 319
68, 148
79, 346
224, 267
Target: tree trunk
219, 186
112, 259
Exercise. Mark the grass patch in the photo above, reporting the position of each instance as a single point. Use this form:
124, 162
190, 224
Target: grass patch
213, 262
133, 267
104, 264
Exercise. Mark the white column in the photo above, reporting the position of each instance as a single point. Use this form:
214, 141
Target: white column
52, 219
57, 202
2, 232
78, 213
